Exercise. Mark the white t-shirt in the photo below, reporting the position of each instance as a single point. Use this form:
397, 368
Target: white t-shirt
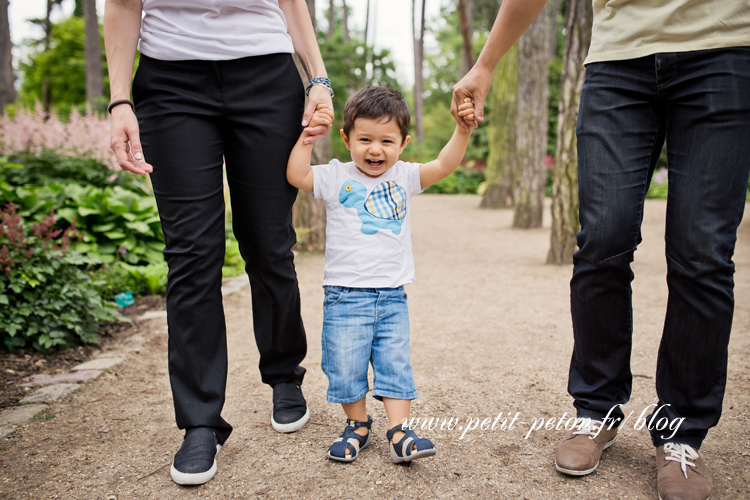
629, 29
213, 30
368, 230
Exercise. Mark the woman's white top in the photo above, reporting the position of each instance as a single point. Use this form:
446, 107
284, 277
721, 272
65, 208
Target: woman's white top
213, 30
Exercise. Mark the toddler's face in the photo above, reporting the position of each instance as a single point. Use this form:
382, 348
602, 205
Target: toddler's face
375, 145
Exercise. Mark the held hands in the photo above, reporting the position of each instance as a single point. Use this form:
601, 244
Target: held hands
319, 96
322, 119
467, 113
125, 141
475, 85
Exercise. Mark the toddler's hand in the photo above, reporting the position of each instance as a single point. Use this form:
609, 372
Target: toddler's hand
466, 111
323, 115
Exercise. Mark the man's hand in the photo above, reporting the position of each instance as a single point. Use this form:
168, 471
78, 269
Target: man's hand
125, 141
475, 86
318, 96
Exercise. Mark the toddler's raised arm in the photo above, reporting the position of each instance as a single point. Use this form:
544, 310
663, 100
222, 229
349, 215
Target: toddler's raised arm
452, 153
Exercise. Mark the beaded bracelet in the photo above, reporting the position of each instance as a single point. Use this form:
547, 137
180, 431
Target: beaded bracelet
320, 81
118, 102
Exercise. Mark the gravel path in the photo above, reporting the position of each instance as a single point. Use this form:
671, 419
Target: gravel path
491, 338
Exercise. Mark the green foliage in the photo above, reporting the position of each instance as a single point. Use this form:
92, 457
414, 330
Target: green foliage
48, 301
63, 66
119, 224
47, 167
44, 415
233, 263
465, 180
119, 277
119, 217
441, 72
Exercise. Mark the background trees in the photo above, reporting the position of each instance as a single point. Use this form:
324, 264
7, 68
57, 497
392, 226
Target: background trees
66, 69
7, 79
578, 19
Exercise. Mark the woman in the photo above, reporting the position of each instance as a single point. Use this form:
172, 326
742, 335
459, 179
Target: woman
216, 84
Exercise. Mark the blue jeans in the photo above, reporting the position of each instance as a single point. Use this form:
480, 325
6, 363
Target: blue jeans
699, 101
363, 326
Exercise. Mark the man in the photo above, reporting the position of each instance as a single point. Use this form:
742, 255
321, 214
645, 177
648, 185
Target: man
675, 70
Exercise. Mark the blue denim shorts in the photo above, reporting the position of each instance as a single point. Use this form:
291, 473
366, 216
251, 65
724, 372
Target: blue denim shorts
363, 326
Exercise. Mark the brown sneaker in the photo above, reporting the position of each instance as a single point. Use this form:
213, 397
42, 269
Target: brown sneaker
682, 473
578, 454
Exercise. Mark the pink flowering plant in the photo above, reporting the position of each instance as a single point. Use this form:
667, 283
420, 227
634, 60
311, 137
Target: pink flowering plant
35, 133
46, 300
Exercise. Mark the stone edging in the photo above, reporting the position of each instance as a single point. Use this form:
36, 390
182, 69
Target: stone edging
53, 387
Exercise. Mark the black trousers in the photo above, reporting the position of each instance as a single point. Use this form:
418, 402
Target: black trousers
193, 117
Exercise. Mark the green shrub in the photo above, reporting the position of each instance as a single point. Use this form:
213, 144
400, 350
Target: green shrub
119, 224
139, 280
658, 188
233, 263
49, 302
462, 181
24, 169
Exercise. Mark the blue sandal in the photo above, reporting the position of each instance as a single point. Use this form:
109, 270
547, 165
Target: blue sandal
403, 450
351, 441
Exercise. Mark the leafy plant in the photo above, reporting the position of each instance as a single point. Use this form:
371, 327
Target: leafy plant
48, 167
120, 224
233, 263
49, 302
462, 181
139, 280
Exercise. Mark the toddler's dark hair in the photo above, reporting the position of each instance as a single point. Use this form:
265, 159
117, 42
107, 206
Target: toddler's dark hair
376, 103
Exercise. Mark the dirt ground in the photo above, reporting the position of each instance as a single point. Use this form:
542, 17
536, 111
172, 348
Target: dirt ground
491, 334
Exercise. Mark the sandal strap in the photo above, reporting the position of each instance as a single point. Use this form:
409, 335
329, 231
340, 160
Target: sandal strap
352, 444
391, 432
351, 440
356, 424
404, 447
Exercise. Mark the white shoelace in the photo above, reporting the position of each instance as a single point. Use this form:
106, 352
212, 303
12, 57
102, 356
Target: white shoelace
681, 453
589, 427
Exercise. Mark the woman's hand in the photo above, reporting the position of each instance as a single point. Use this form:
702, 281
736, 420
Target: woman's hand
319, 97
125, 141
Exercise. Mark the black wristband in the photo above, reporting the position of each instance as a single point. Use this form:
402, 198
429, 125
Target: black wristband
118, 102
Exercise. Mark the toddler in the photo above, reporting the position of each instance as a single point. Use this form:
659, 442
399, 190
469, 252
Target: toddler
368, 260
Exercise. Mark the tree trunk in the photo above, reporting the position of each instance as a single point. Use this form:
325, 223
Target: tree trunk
93, 53
367, 23
345, 21
565, 225
501, 134
331, 19
309, 214
531, 138
554, 10
311, 10
46, 91
418, 33
7, 80
466, 19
